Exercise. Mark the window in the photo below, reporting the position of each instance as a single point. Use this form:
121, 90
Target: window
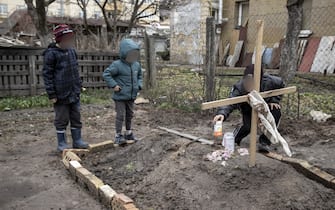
215, 14
19, 7
3, 9
241, 12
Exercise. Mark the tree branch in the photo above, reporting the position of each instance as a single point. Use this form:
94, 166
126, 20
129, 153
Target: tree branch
146, 8
48, 2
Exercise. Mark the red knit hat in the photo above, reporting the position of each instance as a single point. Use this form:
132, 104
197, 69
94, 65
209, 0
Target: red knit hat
61, 32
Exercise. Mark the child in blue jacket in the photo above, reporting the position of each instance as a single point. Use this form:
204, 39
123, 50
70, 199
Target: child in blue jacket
124, 76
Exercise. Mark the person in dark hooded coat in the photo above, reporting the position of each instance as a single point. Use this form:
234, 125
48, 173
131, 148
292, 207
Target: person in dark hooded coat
243, 87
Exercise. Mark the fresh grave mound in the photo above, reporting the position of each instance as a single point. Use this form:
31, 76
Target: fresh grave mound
312, 141
168, 172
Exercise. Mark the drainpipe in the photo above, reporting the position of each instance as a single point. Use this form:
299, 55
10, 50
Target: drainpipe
240, 14
220, 11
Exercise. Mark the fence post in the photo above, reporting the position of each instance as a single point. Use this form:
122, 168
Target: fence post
150, 56
210, 60
32, 75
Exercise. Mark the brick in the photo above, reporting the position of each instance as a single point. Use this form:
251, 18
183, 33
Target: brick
106, 194
80, 152
69, 156
93, 183
73, 165
124, 199
101, 146
119, 201
81, 174
130, 206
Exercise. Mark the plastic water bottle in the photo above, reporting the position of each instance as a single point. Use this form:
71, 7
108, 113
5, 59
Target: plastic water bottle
228, 141
218, 129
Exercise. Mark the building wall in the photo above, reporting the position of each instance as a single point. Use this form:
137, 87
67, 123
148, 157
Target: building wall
188, 32
318, 17
322, 20
274, 14
9, 6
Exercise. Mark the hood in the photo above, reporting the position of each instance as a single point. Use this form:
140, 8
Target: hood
126, 46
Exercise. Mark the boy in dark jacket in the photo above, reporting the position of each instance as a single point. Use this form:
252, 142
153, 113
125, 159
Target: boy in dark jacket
63, 85
124, 76
243, 87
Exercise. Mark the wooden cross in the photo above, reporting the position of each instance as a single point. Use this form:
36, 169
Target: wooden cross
240, 99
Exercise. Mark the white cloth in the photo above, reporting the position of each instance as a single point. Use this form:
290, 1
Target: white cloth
267, 122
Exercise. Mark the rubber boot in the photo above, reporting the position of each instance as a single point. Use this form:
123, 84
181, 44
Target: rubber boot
61, 138
78, 142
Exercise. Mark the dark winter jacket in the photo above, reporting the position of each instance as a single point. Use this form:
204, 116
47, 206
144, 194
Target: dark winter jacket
126, 75
269, 82
60, 74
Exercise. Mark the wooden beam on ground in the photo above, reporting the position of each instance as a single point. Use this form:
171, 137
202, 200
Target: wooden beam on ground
257, 82
307, 169
241, 99
188, 136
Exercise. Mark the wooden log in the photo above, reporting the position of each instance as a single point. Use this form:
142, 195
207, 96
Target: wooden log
188, 136
241, 99
306, 169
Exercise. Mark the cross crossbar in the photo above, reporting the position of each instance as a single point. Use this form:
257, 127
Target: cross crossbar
241, 99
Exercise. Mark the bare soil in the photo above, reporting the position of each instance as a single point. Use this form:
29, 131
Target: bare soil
162, 171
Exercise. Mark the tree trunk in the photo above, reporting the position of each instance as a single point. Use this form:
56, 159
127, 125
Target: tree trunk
38, 15
114, 31
289, 57
85, 20
210, 60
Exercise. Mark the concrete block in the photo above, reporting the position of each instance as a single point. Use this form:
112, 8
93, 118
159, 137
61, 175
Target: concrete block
81, 174
93, 183
73, 165
106, 194
69, 156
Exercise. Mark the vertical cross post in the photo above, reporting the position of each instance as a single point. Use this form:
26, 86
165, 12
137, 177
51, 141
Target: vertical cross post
257, 79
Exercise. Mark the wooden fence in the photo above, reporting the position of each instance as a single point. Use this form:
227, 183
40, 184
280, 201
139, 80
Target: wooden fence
21, 70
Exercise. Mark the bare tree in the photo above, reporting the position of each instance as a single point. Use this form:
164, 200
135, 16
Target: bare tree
139, 11
38, 16
289, 58
83, 6
102, 6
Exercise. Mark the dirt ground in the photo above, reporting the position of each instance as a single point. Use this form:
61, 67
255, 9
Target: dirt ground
162, 171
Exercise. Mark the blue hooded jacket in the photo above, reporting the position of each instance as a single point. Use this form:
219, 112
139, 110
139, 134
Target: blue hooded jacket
126, 75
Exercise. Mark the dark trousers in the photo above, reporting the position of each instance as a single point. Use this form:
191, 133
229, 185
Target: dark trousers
244, 130
124, 110
66, 113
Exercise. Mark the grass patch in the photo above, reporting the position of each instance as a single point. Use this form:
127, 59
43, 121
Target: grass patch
180, 88
26, 102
